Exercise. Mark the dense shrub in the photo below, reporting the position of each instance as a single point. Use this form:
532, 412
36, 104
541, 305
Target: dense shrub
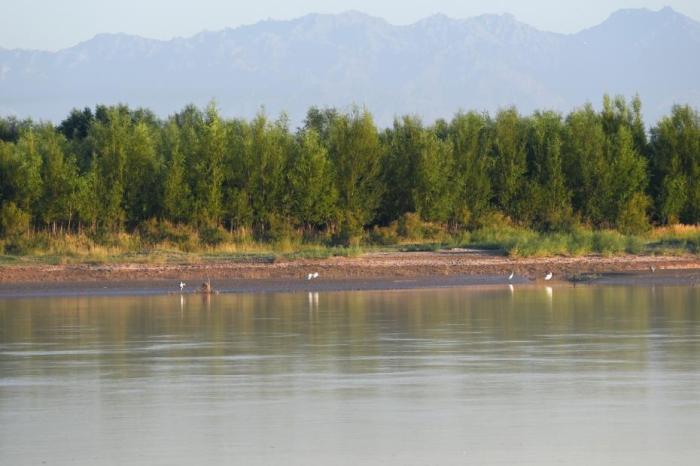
384, 236
633, 218
608, 242
13, 221
212, 235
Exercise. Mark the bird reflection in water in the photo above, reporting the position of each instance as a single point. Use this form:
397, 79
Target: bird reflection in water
313, 301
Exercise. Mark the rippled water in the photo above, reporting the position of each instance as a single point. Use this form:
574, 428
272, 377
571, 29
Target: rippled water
591, 375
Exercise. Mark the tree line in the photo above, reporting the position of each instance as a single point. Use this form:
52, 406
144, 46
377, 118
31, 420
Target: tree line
116, 168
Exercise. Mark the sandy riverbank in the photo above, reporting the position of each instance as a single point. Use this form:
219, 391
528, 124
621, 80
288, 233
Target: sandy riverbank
370, 271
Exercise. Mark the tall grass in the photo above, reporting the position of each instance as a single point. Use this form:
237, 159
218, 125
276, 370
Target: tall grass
174, 244
676, 238
521, 242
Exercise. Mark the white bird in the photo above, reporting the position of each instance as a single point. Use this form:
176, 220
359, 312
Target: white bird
311, 276
652, 268
315, 274
548, 277
182, 285
512, 274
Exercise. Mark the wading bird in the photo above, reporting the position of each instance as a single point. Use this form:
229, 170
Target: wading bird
182, 285
311, 276
548, 277
512, 274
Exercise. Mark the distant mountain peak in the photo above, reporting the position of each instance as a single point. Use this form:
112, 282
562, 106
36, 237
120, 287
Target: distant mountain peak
432, 67
116, 37
647, 14
642, 23
436, 22
352, 16
357, 14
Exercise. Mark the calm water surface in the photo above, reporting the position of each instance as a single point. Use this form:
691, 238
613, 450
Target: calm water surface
591, 375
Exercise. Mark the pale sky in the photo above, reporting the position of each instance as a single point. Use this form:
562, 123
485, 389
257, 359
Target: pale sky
56, 24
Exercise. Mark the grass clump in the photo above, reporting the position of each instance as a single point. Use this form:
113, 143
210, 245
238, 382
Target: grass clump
540, 245
608, 242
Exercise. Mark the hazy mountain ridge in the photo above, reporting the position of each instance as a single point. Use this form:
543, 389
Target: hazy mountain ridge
433, 67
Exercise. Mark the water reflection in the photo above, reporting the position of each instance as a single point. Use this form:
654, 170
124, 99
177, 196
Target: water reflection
313, 301
411, 377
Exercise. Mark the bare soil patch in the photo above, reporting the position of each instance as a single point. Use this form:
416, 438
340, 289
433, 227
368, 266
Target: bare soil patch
395, 265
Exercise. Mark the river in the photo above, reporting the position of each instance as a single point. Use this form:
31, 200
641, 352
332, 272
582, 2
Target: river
605, 375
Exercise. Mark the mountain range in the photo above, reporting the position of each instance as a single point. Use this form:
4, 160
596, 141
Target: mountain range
432, 68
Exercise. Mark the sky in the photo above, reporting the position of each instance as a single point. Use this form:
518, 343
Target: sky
57, 24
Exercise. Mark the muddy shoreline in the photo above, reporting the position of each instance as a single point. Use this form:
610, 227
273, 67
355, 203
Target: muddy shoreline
376, 271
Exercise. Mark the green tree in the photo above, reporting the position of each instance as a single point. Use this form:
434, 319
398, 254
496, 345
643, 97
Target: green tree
432, 193
27, 181
399, 168
470, 135
176, 191
207, 169
142, 170
8, 170
109, 138
320, 120
510, 161
627, 201
616, 113
238, 169
12, 128
550, 200
269, 150
59, 174
312, 195
586, 166
356, 153
675, 165
87, 209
